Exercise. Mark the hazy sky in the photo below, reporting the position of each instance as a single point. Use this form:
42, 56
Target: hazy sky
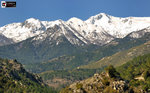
64, 9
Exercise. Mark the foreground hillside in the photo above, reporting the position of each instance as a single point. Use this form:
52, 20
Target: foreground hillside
132, 77
15, 79
106, 82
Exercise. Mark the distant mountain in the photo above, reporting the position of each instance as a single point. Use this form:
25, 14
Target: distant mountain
15, 79
90, 56
120, 57
32, 50
99, 29
36, 41
21, 31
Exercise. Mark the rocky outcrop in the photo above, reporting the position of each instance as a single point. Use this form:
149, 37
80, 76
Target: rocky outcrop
99, 83
119, 85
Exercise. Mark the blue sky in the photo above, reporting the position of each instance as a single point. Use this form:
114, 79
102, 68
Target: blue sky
64, 9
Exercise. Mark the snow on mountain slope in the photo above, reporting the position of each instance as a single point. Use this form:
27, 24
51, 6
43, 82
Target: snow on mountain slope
99, 29
59, 30
119, 27
94, 34
22, 31
140, 33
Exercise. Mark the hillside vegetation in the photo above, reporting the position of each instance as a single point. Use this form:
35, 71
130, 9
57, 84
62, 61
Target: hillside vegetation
137, 72
89, 54
15, 79
61, 78
121, 57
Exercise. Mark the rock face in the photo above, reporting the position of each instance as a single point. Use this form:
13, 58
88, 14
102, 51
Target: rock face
5, 41
119, 85
99, 83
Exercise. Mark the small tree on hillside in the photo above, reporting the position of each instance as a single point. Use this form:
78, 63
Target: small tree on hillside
112, 72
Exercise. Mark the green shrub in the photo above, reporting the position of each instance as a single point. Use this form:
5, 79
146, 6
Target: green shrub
79, 85
146, 74
112, 72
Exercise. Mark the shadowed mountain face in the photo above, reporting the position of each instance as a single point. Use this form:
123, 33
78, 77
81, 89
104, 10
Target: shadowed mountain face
91, 55
52, 45
5, 41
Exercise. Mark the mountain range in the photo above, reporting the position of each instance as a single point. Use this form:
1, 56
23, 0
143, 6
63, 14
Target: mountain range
78, 42
99, 29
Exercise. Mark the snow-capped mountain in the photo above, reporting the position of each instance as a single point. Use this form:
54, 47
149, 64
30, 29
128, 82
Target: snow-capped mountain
99, 29
21, 31
119, 27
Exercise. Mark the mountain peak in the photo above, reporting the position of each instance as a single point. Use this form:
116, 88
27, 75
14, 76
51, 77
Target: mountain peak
34, 24
57, 22
103, 14
32, 20
100, 15
74, 20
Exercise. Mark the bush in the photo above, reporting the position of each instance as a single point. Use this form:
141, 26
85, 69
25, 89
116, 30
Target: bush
109, 90
79, 85
146, 74
112, 72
